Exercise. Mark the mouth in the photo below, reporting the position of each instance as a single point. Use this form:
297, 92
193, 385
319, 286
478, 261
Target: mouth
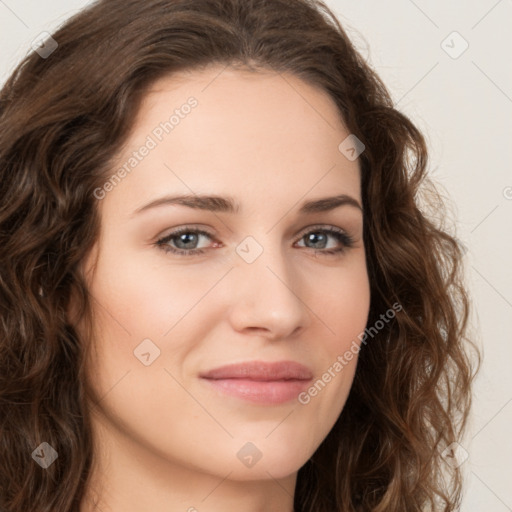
259, 381
262, 392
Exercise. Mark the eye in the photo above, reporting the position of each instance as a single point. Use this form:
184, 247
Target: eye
343, 239
183, 240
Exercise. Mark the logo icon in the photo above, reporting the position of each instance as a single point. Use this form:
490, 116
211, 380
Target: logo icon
146, 352
454, 45
44, 455
249, 249
454, 455
44, 44
249, 454
351, 147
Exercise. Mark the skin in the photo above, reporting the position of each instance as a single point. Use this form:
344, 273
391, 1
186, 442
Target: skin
163, 439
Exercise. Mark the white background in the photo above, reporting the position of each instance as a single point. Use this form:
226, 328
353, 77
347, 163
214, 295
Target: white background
464, 107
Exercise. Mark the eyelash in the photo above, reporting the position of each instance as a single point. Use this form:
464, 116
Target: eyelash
346, 240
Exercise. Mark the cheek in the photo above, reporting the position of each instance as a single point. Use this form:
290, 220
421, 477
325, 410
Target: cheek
345, 307
142, 308
343, 311
147, 298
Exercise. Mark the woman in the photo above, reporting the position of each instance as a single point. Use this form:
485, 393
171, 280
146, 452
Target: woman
306, 352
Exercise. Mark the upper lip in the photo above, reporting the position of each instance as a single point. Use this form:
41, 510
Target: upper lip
261, 370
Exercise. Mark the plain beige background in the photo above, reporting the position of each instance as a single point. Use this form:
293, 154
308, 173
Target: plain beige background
447, 65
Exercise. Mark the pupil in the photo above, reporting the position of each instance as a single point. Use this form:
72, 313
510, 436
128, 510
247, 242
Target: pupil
314, 236
184, 236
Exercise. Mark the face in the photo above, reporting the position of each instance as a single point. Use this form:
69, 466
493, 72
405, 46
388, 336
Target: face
182, 288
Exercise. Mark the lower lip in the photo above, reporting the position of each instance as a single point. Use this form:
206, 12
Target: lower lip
262, 392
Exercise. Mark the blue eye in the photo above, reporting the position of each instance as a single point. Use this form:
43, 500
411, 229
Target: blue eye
186, 236
321, 237
182, 237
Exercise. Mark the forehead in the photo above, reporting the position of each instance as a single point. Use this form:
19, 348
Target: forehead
264, 100
259, 133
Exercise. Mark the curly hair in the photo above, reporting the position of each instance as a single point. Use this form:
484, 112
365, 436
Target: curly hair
62, 120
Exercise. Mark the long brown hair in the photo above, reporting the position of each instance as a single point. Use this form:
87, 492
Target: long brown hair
64, 116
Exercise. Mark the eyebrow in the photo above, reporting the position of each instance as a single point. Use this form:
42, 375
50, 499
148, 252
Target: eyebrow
215, 203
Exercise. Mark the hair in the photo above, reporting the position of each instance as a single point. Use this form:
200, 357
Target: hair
62, 121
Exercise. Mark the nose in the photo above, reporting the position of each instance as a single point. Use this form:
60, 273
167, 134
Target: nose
268, 299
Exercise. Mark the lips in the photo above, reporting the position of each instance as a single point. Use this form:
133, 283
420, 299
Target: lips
261, 371
259, 382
